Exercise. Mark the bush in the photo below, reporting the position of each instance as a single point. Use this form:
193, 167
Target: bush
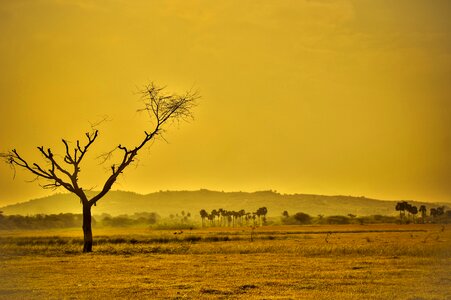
299, 218
69, 220
138, 219
302, 218
337, 220
41, 221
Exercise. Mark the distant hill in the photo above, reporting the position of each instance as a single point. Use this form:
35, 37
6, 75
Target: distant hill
172, 202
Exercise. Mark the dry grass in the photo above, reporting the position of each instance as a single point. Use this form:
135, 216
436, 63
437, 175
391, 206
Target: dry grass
292, 262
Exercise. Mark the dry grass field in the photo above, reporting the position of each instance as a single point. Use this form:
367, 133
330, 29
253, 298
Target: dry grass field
286, 262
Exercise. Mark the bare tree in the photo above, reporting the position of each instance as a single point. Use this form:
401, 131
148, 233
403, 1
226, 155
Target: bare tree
161, 107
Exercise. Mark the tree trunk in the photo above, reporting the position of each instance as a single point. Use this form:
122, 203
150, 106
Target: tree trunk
87, 231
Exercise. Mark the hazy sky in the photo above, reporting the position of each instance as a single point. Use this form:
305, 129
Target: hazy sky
315, 96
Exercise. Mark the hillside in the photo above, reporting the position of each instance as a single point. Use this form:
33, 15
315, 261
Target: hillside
172, 202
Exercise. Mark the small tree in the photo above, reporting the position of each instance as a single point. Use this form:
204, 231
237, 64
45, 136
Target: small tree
162, 109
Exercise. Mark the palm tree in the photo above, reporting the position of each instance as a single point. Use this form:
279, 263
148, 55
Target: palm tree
408, 209
423, 210
221, 214
263, 211
241, 213
214, 213
203, 215
254, 217
211, 218
401, 207
259, 213
247, 217
433, 212
413, 210
229, 218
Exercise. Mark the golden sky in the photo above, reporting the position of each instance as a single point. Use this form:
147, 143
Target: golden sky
315, 96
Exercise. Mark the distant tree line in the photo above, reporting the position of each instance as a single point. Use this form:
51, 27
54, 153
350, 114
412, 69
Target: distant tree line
137, 219
301, 218
230, 218
177, 221
408, 213
41, 221
68, 220
184, 217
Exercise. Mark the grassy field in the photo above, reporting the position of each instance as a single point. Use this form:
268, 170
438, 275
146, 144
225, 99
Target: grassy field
286, 262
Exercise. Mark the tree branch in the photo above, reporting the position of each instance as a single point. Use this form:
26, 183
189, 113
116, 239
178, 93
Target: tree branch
13, 158
162, 108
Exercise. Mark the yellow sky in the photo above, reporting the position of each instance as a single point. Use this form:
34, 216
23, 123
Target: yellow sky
315, 96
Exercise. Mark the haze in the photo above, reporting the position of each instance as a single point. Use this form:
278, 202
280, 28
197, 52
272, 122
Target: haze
321, 97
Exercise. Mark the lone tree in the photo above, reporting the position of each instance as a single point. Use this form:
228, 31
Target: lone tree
161, 107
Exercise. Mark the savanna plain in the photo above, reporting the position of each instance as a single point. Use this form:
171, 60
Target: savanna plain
270, 262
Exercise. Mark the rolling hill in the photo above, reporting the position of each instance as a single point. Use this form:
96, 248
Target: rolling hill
172, 202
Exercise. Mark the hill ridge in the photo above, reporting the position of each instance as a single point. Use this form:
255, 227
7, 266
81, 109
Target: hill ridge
171, 202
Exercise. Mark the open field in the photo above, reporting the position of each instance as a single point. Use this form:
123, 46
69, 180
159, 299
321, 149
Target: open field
284, 262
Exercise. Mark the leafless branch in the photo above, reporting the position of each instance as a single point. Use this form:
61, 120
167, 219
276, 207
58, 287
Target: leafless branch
162, 109
104, 157
95, 125
52, 174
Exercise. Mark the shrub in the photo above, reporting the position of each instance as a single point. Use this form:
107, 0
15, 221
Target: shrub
337, 220
303, 218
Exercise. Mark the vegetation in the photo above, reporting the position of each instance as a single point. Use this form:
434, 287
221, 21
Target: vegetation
162, 109
184, 220
75, 221
437, 215
40, 221
325, 262
138, 219
166, 203
222, 217
301, 218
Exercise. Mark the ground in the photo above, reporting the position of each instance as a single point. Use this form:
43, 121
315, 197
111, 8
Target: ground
286, 262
